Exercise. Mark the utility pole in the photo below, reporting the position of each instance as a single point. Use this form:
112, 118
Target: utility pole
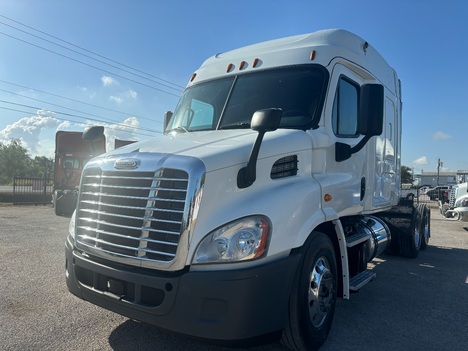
439, 164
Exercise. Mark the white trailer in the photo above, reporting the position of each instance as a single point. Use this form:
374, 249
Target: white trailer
275, 183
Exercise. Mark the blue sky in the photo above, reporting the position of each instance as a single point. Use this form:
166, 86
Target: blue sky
42, 84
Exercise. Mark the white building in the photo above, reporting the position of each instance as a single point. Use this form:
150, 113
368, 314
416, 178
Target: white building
433, 179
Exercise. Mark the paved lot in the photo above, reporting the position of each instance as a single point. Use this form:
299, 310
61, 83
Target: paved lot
414, 304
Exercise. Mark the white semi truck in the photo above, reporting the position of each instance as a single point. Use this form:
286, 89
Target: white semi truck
457, 206
275, 183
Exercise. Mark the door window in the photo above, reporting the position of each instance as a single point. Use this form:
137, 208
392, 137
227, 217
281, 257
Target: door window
345, 109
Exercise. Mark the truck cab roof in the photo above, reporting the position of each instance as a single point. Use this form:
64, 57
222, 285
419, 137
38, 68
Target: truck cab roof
320, 47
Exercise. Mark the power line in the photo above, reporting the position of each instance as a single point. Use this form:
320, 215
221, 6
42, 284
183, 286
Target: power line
87, 64
75, 116
78, 101
178, 87
103, 119
128, 71
74, 121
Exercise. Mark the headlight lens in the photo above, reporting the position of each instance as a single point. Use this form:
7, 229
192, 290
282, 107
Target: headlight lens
463, 202
71, 226
243, 239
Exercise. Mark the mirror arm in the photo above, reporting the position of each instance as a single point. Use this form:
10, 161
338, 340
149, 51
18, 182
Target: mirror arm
266, 120
344, 151
247, 175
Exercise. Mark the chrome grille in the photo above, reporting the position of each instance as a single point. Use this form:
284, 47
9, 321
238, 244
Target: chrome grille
453, 196
132, 214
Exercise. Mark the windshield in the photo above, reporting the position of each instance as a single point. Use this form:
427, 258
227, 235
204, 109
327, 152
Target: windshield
229, 103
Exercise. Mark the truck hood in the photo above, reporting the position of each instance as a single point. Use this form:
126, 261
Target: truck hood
219, 149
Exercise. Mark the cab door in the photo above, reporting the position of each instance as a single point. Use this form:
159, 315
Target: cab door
386, 161
348, 178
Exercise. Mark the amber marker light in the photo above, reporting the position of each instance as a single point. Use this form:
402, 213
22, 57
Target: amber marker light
193, 77
312, 55
327, 197
229, 67
242, 64
255, 63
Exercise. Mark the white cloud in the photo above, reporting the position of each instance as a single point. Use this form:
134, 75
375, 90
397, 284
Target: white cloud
87, 92
440, 136
28, 130
121, 98
124, 131
37, 133
421, 161
107, 81
65, 125
133, 94
118, 100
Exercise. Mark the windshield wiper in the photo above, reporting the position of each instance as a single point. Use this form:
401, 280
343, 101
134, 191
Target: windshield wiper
179, 129
238, 125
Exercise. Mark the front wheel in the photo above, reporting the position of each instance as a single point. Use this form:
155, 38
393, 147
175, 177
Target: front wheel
57, 195
313, 298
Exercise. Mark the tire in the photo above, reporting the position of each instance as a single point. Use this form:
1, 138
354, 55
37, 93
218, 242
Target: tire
425, 225
313, 297
410, 243
57, 195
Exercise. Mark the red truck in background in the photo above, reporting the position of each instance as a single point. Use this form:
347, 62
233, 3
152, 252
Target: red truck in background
72, 152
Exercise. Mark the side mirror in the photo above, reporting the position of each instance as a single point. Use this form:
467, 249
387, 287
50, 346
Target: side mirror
370, 120
93, 133
262, 121
267, 120
167, 118
371, 107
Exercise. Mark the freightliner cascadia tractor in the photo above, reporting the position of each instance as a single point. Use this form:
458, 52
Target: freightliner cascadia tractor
276, 182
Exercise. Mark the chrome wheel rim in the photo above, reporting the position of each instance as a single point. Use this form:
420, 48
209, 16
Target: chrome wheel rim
321, 290
417, 237
426, 228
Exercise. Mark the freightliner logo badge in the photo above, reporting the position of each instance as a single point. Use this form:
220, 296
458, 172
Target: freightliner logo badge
126, 163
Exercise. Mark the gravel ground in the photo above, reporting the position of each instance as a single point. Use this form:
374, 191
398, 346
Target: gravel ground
413, 304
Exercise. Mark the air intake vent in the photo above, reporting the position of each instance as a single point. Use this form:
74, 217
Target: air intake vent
284, 167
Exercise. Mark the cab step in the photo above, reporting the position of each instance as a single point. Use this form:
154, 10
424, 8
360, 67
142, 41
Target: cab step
361, 279
357, 239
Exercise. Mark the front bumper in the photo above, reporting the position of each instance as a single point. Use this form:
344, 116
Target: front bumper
459, 213
223, 305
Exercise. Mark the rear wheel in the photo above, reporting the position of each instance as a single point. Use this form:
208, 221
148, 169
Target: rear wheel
313, 299
410, 242
425, 225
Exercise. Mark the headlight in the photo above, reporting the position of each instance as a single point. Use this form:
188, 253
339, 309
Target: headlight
71, 226
243, 239
463, 202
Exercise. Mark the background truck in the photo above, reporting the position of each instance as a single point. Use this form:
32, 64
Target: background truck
408, 191
275, 183
457, 206
72, 152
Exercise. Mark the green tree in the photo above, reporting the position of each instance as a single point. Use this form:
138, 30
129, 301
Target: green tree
406, 175
14, 160
41, 166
